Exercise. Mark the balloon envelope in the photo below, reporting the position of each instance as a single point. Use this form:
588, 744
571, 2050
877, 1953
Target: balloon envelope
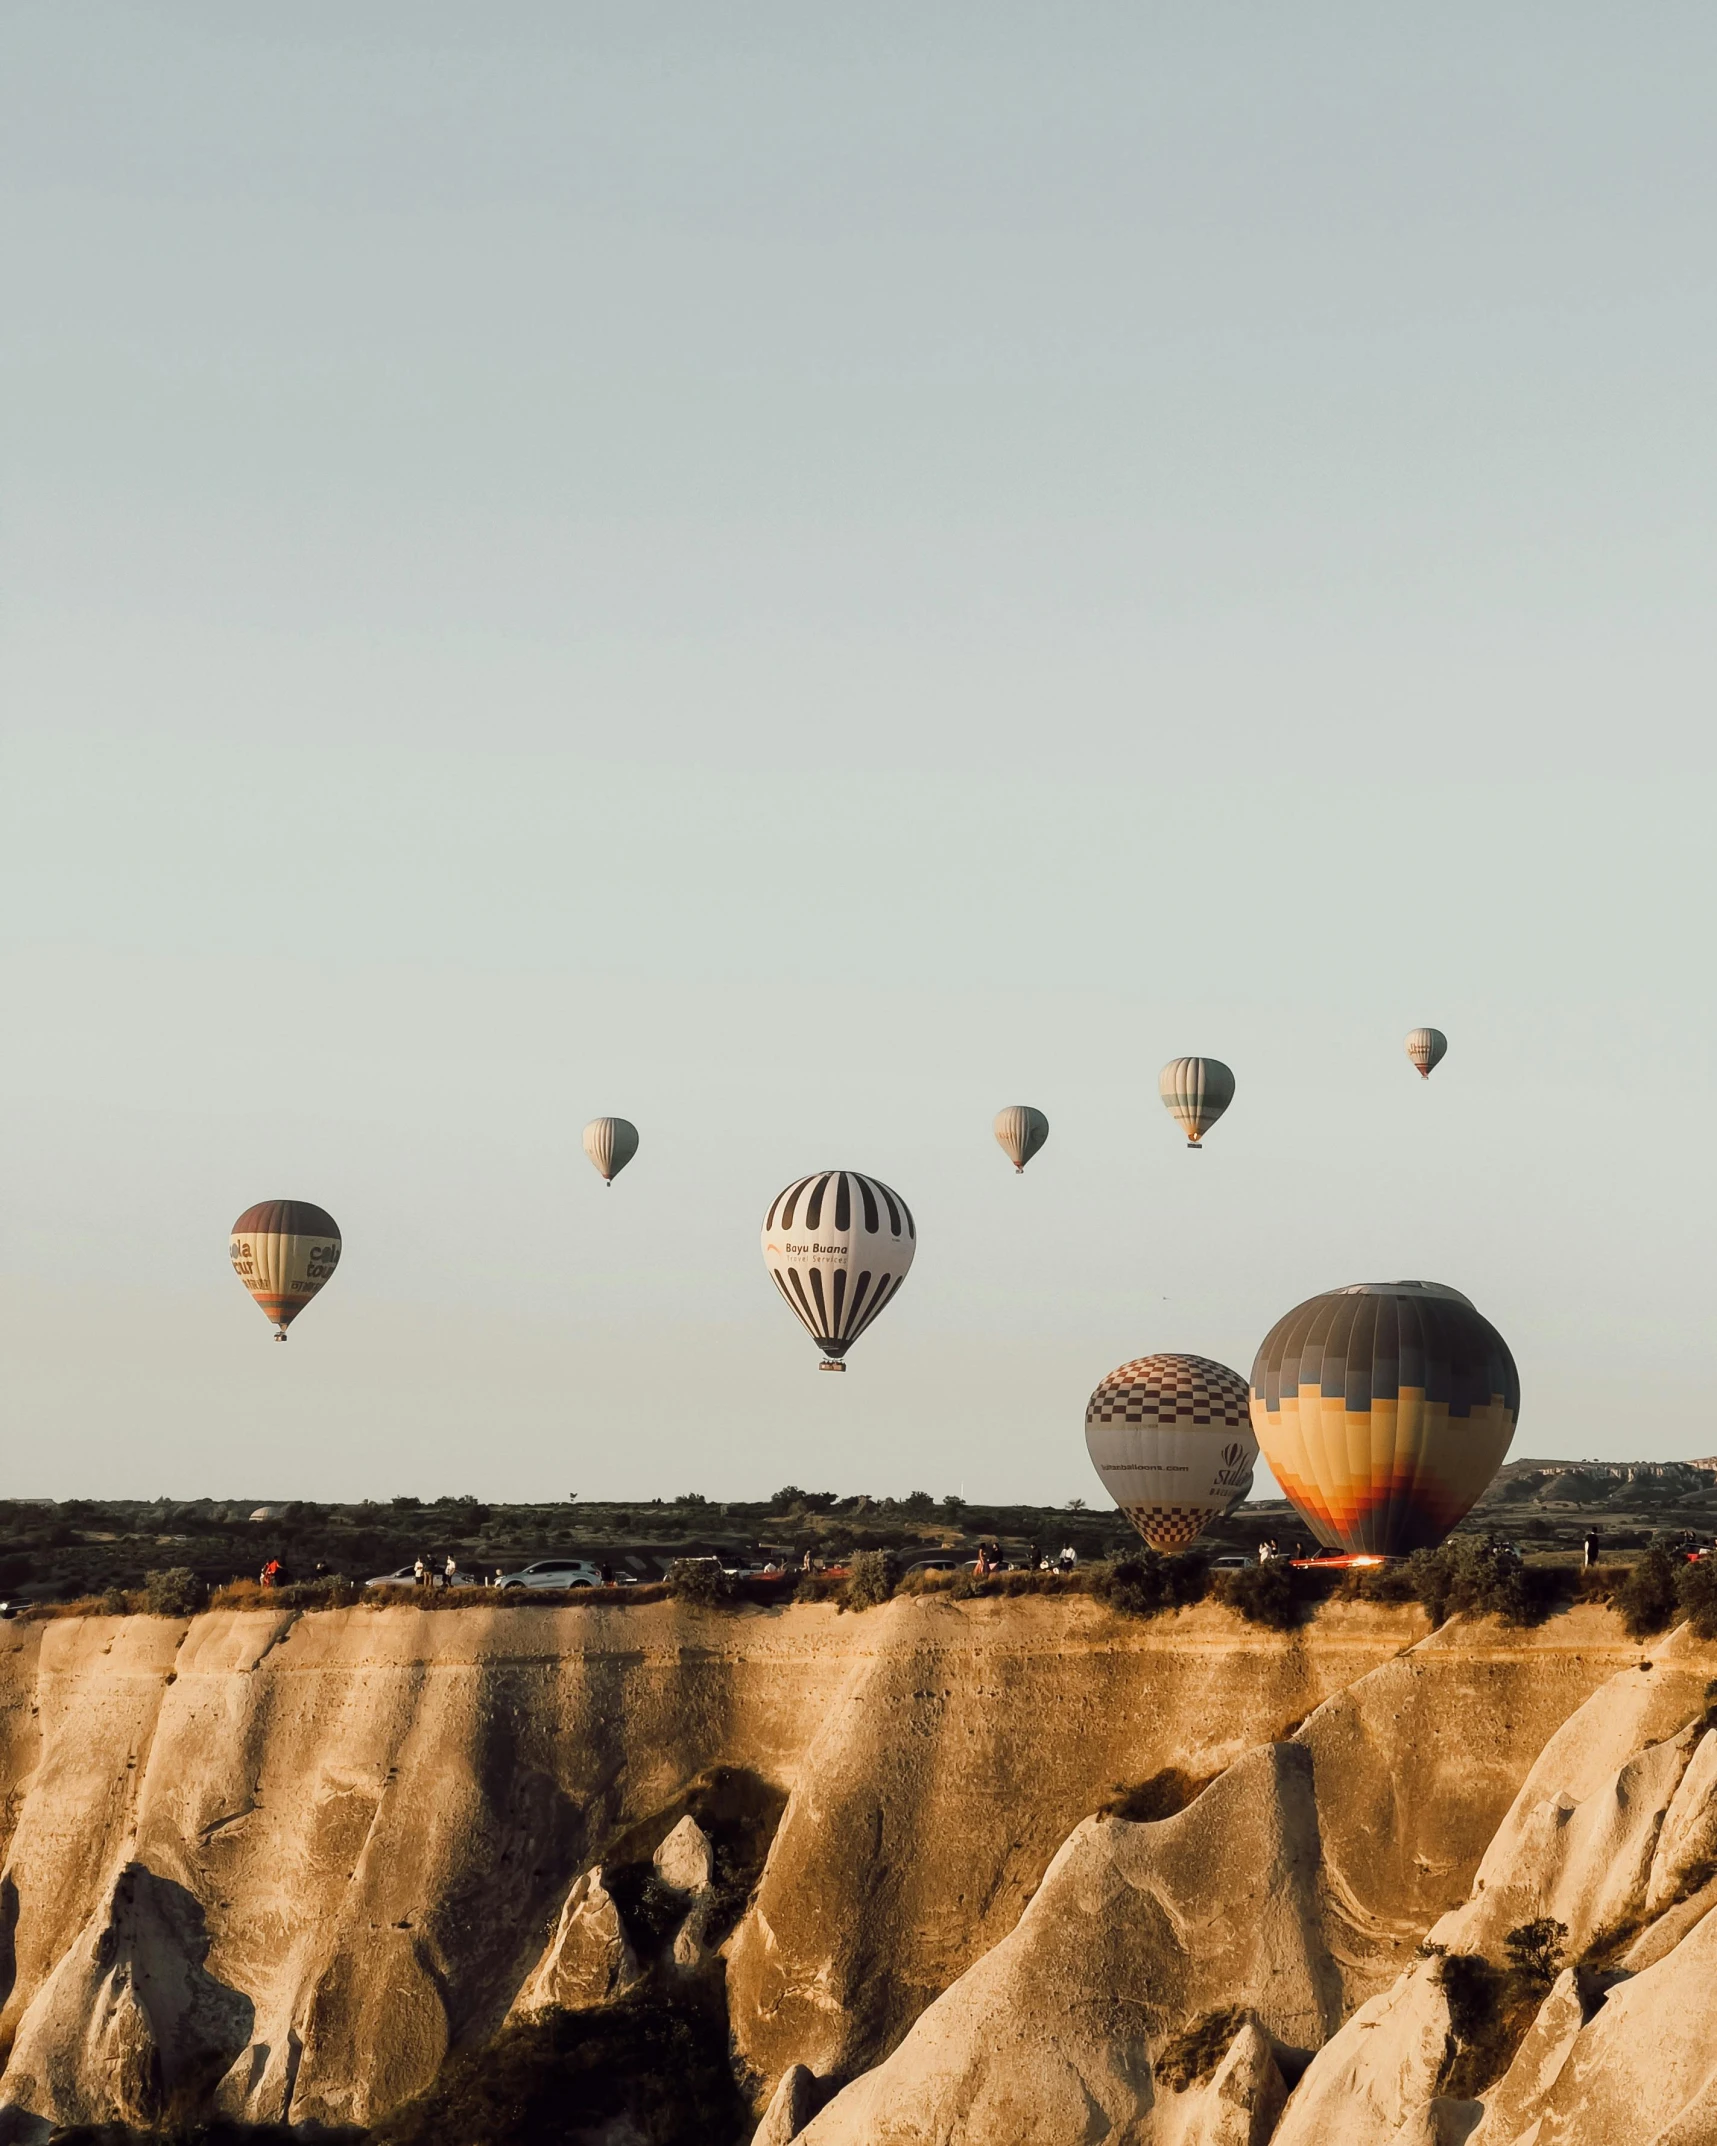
1196, 1092
1021, 1131
838, 1246
1171, 1439
1426, 1047
611, 1144
1384, 1411
283, 1251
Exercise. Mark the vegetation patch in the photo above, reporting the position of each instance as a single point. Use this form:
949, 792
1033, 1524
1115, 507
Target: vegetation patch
1164, 1795
1147, 1583
874, 1576
1198, 2049
1490, 2007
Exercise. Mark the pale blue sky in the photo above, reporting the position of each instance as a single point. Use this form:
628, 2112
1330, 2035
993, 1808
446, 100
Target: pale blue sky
799, 575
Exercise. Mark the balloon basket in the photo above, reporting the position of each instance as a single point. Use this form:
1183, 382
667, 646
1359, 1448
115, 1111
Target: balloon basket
829, 1363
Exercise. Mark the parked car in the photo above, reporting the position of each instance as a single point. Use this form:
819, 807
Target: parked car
1232, 1561
406, 1576
936, 1564
553, 1572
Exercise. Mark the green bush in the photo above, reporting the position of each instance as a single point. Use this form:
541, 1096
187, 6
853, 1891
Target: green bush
1481, 1575
1147, 1583
874, 1577
1696, 1595
700, 1580
176, 1592
1647, 1598
1270, 1594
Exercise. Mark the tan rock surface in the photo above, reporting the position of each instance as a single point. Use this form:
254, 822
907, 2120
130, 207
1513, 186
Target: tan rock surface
1578, 1842
590, 1958
968, 1733
1418, 1762
379, 1814
1643, 2072
1137, 1930
790, 2108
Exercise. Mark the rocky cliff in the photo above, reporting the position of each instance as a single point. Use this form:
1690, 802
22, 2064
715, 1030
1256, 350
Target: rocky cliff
1001, 1870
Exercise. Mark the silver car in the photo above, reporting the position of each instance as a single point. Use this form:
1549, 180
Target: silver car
553, 1572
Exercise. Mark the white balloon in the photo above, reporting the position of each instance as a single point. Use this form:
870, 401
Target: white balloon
611, 1144
1171, 1439
838, 1246
1020, 1131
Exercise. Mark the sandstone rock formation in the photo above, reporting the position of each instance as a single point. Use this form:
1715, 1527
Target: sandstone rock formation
1137, 1930
590, 1959
283, 1865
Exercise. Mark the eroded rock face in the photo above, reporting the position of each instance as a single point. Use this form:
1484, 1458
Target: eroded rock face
686, 1859
382, 1815
130, 2025
590, 1959
1604, 1838
1136, 1931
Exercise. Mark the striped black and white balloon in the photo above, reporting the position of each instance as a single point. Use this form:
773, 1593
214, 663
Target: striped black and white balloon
1020, 1131
611, 1144
1195, 1091
838, 1246
1171, 1438
1426, 1047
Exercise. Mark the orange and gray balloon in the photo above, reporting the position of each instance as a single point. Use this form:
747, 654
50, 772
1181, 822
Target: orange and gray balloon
611, 1144
1020, 1131
838, 1246
283, 1251
1171, 1438
1384, 1411
1426, 1047
1195, 1091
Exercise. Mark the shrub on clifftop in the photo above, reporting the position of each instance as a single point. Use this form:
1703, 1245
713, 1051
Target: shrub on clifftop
1271, 1594
700, 1580
1647, 1597
1147, 1582
175, 1593
875, 1575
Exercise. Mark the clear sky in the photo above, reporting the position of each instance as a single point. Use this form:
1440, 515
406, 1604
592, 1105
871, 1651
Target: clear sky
800, 574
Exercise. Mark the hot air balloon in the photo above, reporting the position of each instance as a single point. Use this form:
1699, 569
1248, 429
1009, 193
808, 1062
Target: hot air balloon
1196, 1091
1426, 1047
611, 1144
1021, 1131
1384, 1410
838, 1246
1171, 1438
283, 1251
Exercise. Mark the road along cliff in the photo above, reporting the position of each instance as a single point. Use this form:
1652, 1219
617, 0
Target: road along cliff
998, 1869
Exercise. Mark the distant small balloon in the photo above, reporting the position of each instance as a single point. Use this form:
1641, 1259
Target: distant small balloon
1426, 1047
611, 1144
1195, 1092
838, 1246
283, 1251
1171, 1438
1021, 1131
